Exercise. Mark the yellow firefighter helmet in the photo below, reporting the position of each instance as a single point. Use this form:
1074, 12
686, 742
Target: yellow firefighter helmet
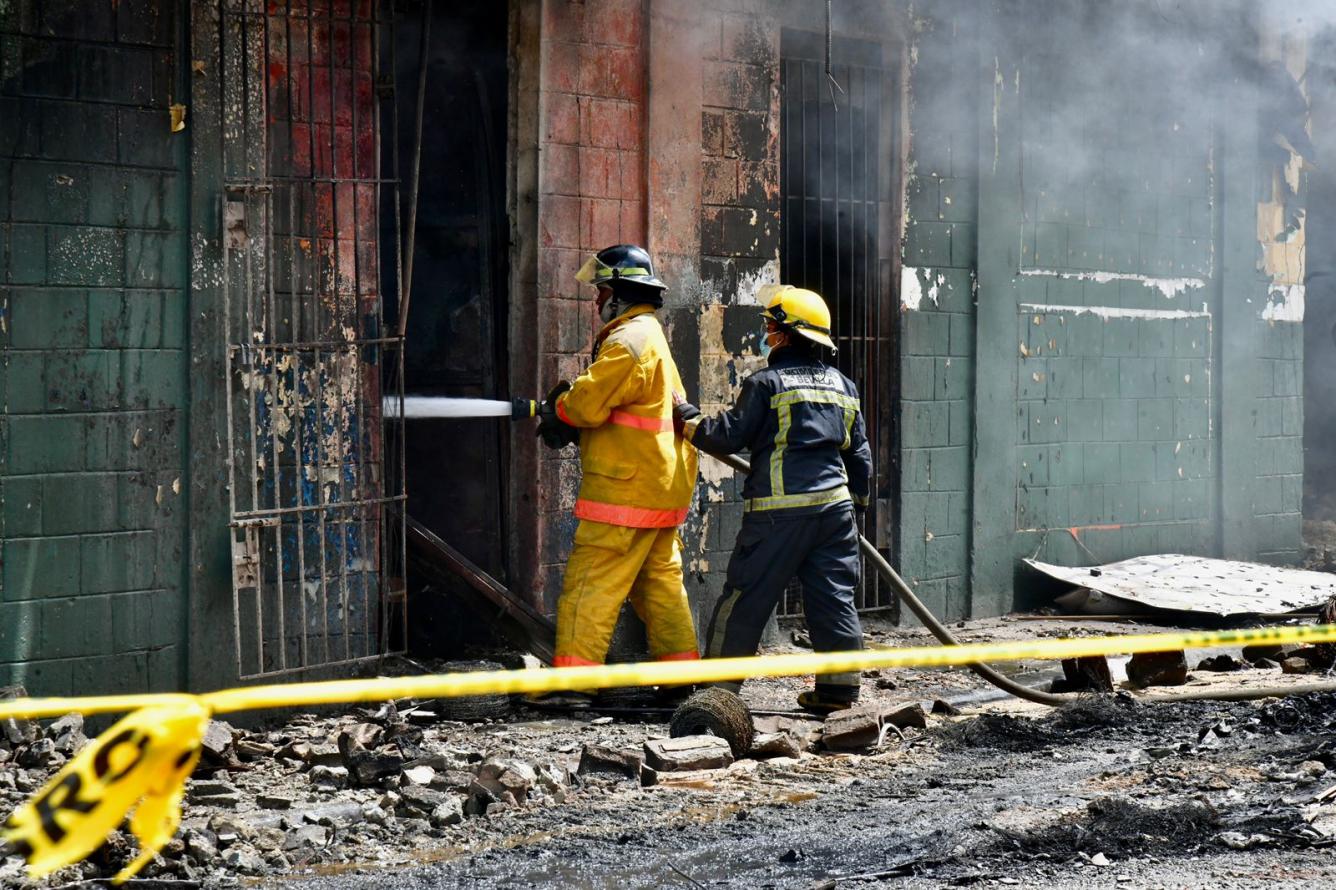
801, 310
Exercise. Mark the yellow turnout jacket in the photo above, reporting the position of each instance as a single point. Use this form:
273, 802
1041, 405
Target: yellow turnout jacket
636, 471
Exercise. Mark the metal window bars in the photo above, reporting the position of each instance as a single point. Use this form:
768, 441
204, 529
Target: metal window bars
835, 193
317, 531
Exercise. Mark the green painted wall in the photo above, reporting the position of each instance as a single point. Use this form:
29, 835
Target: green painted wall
93, 242
1086, 375
937, 335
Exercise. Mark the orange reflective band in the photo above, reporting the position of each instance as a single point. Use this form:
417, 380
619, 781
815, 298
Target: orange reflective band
625, 515
561, 412
693, 655
635, 421
573, 661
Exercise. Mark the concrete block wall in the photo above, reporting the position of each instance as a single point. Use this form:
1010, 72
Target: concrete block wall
739, 251
93, 248
1278, 488
1116, 450
937, 322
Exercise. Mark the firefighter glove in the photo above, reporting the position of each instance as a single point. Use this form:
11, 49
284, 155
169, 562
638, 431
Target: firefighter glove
683, 411
555, 432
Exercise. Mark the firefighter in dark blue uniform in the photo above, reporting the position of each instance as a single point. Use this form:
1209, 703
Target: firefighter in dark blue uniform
811, 473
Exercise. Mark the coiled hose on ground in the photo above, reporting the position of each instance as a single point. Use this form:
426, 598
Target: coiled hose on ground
1006, 684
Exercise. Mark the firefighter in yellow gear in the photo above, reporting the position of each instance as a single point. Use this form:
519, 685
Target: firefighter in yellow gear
638, 474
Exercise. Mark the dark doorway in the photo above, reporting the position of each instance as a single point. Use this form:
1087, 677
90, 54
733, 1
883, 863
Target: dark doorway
836, 183
455, 335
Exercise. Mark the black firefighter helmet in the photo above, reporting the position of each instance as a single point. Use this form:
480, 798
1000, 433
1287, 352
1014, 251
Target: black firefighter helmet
628, 270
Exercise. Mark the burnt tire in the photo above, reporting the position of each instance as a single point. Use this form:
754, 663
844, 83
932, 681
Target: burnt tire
715, 712
472, 708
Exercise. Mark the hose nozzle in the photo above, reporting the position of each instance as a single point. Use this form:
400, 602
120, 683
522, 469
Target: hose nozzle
523, 408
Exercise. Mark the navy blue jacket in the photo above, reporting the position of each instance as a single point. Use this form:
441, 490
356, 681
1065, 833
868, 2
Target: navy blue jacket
800, 419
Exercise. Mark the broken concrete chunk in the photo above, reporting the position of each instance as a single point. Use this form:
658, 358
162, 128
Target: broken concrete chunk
362, 735
944, 708
774, 744
244, 859
368, 768
1158, 669
596, 759
419, 775
202, 844
416, 800
274, 801
692, 752
513, 776
1223, 663
39, 754
852, 729
1262, 650
67, 733
17, 730
249, 749
1088, 674
307, 837
328, 776
449, 812
452, 780
905, 716
228, 829
213, 793
1296, 665
217, 738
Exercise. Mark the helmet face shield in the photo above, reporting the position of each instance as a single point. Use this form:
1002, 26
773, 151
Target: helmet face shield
594, 270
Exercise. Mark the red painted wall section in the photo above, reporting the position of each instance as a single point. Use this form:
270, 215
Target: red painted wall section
591, 195
322, 129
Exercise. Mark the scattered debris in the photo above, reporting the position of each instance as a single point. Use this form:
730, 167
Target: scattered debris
1296, 665
1223, 663
1088, 674
696, 752
1158, 669
597, 759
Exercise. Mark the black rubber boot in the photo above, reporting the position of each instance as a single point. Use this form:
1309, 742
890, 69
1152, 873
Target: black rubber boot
818, 703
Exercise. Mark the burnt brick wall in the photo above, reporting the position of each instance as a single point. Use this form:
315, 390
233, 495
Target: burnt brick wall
93, 287
591, 190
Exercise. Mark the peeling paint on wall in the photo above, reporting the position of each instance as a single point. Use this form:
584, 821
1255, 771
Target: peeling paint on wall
1107, 312
1284, 303
1169, 287
912, 286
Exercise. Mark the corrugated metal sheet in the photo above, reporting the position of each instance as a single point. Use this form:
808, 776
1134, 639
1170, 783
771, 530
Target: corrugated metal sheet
1199, 584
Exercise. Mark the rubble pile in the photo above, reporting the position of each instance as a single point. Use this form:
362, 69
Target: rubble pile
375, 785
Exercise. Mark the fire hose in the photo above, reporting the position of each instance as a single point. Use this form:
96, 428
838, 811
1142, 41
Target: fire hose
516, 409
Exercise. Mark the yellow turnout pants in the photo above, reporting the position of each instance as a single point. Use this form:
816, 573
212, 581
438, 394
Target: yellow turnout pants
608, 564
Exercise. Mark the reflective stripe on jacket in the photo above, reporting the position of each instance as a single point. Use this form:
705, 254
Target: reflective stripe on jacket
635, 470
802, 423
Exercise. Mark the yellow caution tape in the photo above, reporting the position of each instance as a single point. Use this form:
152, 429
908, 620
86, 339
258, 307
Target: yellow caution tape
142, 762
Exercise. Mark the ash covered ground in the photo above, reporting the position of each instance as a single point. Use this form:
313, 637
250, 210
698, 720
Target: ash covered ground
1105, 792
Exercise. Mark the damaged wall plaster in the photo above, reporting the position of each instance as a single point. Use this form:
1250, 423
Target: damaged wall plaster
1168, 287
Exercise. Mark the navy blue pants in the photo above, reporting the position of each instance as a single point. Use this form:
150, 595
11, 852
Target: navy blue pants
821, 551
